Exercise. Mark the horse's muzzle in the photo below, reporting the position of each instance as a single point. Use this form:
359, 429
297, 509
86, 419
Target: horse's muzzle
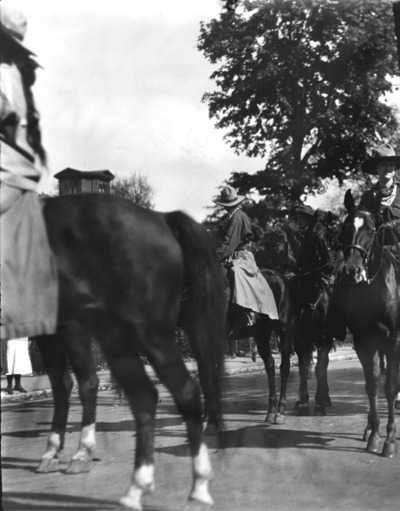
352, 274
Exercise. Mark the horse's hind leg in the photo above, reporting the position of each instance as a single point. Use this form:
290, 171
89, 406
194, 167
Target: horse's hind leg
173, 373
53, 351
127, 368
391, 389
79, 348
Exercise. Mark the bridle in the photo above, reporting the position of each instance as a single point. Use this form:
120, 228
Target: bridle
318, 270
366, 252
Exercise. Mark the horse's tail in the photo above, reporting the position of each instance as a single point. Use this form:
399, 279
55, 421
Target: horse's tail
202, 312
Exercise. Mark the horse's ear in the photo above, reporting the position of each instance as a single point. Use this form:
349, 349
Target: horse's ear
319, 216
329, 217
349, 201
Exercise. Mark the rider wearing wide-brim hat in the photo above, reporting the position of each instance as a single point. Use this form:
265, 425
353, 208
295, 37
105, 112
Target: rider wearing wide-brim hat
250, 289
301, 212
386, 192
28, 274
384, 162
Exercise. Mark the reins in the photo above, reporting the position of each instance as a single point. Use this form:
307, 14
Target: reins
319, 269
366, 253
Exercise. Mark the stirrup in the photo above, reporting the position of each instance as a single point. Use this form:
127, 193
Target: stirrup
252, 317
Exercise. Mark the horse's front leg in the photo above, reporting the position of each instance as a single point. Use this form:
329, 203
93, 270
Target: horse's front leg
391, 388
53, 351
82, 362
304, 353
322, 398
264, 350
369, 361
286, 339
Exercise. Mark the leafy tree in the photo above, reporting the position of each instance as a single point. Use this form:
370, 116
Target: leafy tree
300, 82
134, 187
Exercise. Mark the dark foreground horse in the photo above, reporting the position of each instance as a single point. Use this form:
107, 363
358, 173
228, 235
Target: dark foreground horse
127, 274
367, 300
314, 268
287, 303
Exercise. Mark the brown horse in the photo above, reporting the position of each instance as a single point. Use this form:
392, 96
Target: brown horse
367, 300
131, 275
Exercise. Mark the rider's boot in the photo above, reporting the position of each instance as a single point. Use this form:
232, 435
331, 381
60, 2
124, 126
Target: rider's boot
251, 317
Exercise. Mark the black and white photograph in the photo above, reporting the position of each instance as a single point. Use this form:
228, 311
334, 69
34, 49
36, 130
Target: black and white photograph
200, 255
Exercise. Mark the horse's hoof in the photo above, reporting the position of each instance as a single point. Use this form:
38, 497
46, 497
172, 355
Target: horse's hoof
211, 429
383, 372
389, 449
296, 405
195, 505
397, 405
366, 435
280, 418
319, 411
48, 465
304, 410
78, 466
374, 444
270, 418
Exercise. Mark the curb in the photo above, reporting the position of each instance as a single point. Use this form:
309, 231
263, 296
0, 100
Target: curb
48, 393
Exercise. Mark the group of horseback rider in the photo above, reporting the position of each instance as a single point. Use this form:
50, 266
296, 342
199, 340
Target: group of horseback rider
28, 273
250, 290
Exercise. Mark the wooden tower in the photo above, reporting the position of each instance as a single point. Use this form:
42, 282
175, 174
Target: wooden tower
81, 181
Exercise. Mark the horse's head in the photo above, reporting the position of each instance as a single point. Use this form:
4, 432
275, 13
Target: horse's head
358, 234
315, 251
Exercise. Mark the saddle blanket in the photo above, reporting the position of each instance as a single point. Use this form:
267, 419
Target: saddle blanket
251, 290
29, 284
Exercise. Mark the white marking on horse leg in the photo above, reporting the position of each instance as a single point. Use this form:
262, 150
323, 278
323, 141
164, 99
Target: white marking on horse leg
358, 222
363, 276
53, 445
142, 483
202, 474
87, 442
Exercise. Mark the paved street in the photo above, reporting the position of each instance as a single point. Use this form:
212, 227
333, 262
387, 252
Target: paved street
311, 463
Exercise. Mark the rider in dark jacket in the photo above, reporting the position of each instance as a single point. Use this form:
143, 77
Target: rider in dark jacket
385, 194
301, 217
250, 290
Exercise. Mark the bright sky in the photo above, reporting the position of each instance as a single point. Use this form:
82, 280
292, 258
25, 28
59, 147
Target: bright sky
121, 90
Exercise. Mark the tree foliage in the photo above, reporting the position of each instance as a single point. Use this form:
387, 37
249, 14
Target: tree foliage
300, 82
134, 187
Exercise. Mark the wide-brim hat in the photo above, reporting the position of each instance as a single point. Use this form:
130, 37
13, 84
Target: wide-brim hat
382, 153
302, 210
13, 25
229, 197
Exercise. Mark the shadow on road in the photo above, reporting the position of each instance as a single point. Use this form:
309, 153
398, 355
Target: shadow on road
16, 501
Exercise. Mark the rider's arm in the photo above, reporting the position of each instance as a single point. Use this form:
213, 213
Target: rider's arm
232, 239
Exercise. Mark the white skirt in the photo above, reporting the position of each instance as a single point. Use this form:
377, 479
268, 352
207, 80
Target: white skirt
18, 360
